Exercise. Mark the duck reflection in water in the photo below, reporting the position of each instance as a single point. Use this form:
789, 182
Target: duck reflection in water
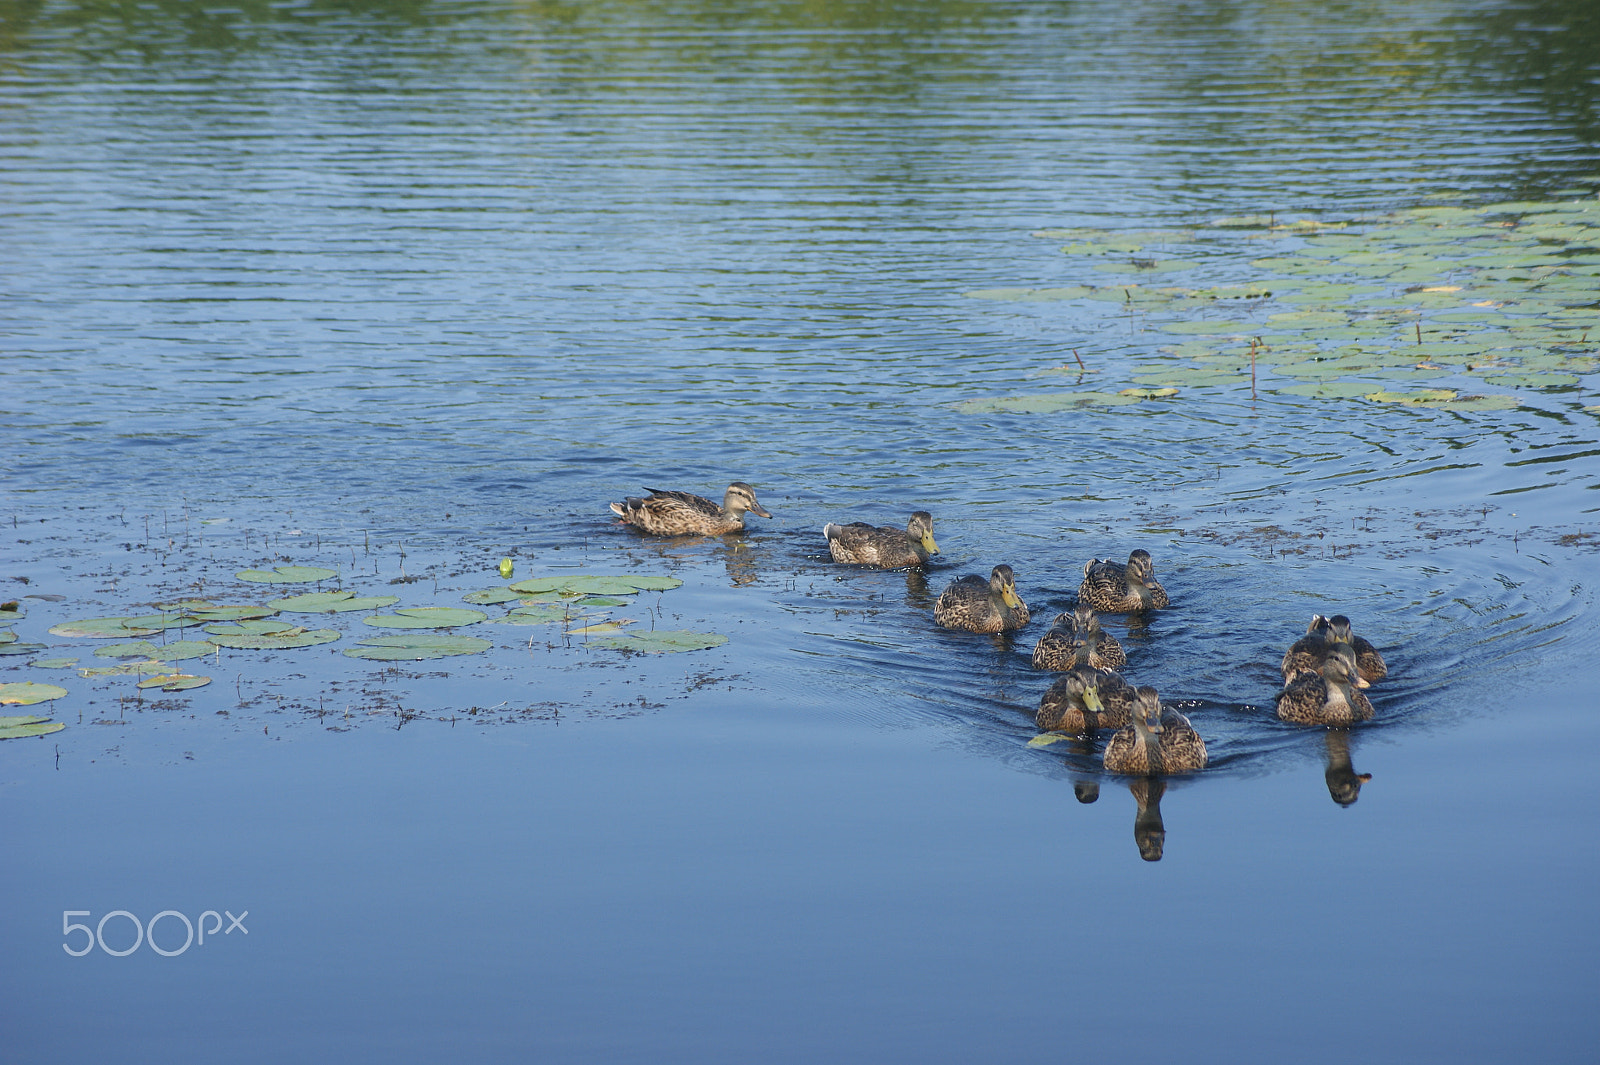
1344, 783
1148, 831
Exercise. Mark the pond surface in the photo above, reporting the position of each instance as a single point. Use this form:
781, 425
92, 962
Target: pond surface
402, 289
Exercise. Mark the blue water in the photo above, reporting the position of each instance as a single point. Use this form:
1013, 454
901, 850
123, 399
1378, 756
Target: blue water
403, 289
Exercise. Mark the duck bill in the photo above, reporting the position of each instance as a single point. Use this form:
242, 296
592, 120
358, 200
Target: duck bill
1091, 699
1009, 597
1359, 681
928, 545
759, 510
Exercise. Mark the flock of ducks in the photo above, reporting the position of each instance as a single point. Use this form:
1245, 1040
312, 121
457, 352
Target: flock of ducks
1324, 672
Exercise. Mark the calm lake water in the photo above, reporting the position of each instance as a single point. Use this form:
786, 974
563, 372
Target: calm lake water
400, 289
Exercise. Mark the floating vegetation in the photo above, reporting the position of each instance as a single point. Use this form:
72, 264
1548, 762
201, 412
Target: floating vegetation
595, 584
141, 668
1504, 293
493, 597
663, 641
12, 647
286, 575
427, 617
267, 636
28, 692
536, 614
120, 628
16, 728
415, 647
331, 602
53, 663
1047, 738
175, 682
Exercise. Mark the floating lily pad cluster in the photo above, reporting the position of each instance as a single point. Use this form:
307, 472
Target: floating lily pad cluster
1503, 295
582, 602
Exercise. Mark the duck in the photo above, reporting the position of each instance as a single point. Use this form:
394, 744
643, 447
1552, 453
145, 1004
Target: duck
685, 514
883, 546
1155, 742
1113, 588
979, 605
1330, 696
1368, 661
1307, 654
1077, 639
1085, 700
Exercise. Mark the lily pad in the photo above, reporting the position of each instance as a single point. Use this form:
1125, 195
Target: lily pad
21, 648
231, 613
182, 649
332, 602
598, 627
662, 641
287, 575
175, 682
1532, 380
249, 627
272, 641
426, 617
129, 649
599, 600
415, 647
1047, 739
28, 692
1327, 389
8, 636
16, 728
104, 629
126, 669
491, 596
53, 663
538, 614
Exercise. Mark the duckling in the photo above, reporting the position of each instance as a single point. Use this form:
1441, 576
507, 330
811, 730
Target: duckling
1329, 697
1157, 741
685, 514
1084, 700
977, 605
1113, 588
1368, 660
1077, 639
884, 546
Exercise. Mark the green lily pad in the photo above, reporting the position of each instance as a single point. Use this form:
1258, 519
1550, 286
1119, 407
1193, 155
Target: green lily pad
426, 617
491, 596
538, 614
8, 636
53, 663
664, 640
1532, 380
28, 692
415, 647
21, 648
175, 682
16, 728
126, 669
287, 575
332, 602
1445, 399
1208, 327
249, 627
231, 613
104, 629
179, 650
599, 600
273, 641
598, 627
129, 649
1166, 382
596, 584
1047, 739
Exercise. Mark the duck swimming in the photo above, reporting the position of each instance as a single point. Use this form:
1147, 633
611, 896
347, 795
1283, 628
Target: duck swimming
1113, 588
977, 605
1323, 635
685, 514
1157, 741
883, 546
1077, 639
1368, 661
1328, 697
1085, 700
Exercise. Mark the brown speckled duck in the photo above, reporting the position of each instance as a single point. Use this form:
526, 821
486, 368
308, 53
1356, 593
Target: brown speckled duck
1368, 661
1113, 588
1323, 635
1077, 639
1307, 654
1157, 741
979, 605
685, 514
1085, 700
883, 546
1328, 697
